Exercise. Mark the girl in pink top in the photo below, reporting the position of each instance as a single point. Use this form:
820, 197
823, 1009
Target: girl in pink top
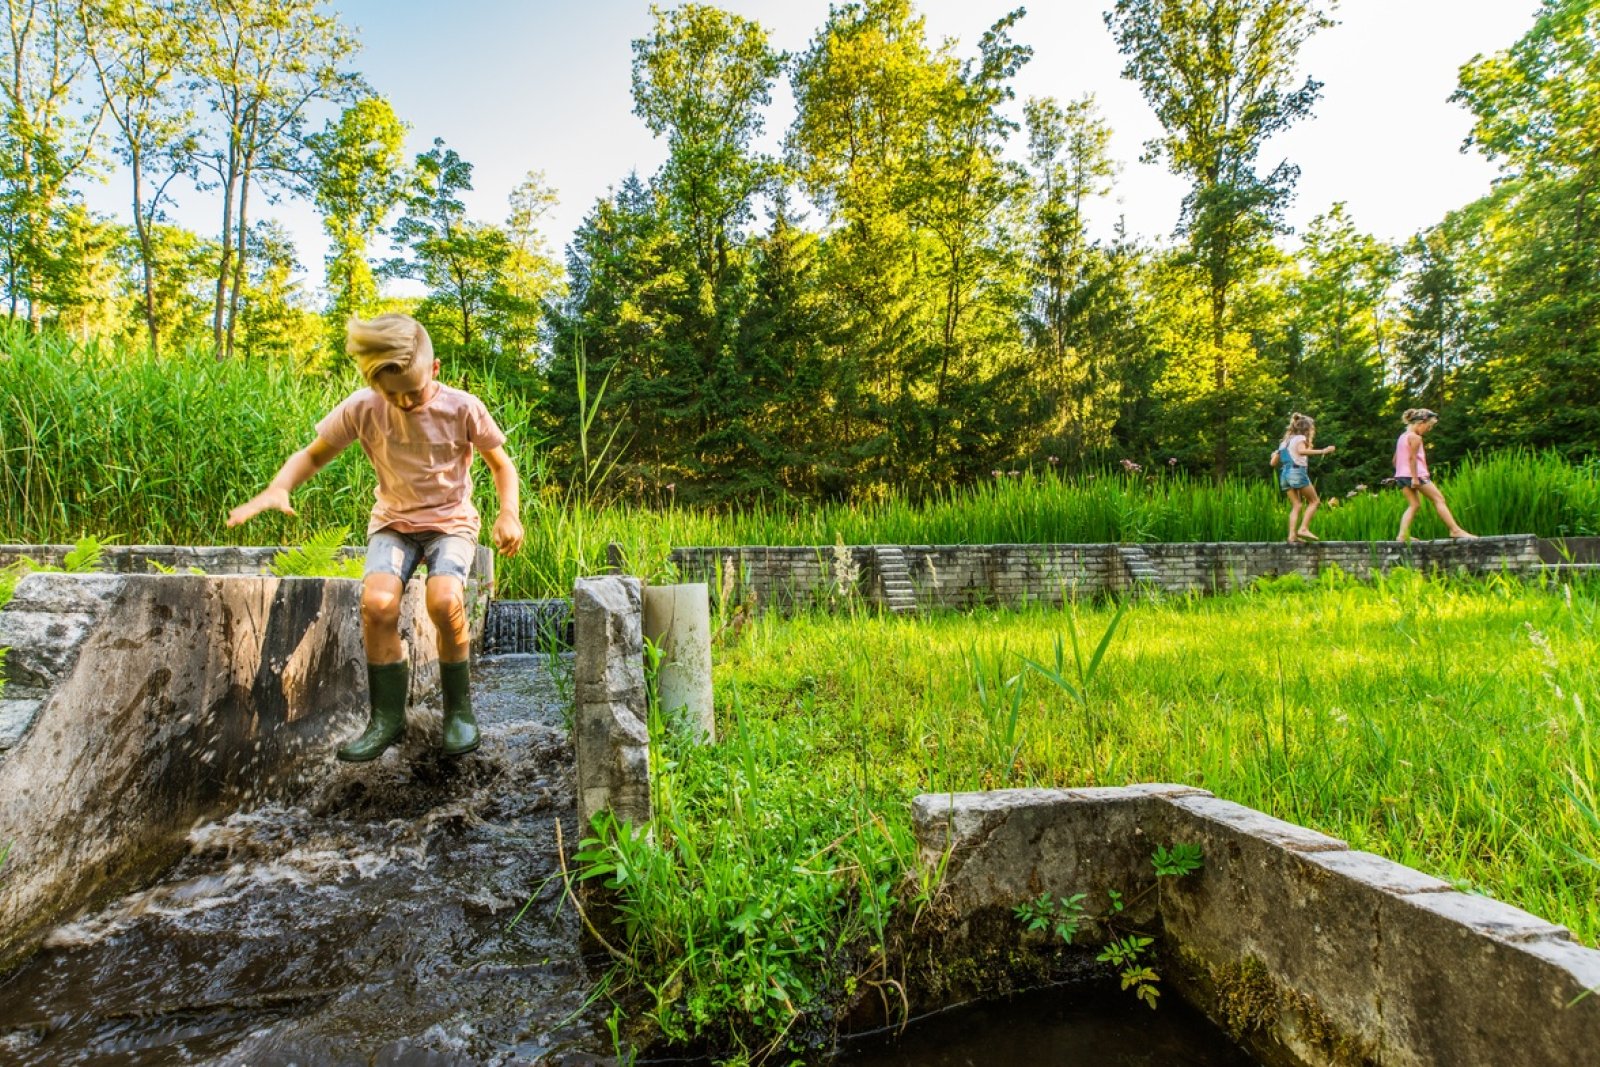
421, 437
1411, 473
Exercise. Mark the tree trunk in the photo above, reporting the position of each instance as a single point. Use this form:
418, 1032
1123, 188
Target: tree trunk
239, 261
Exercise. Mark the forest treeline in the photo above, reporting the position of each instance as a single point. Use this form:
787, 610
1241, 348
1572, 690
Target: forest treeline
924, 287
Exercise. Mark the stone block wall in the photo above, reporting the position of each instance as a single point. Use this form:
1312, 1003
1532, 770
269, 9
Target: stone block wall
965, 576
1311, 953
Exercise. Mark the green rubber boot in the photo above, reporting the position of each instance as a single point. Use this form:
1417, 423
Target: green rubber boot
460, 728
390, 685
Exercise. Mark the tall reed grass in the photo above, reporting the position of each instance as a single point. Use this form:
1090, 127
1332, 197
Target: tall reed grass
98, 440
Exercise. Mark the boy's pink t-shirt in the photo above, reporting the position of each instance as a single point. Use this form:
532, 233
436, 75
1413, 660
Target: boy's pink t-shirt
423, 456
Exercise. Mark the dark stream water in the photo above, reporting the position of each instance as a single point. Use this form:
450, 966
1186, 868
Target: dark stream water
371, 923
1067, 1026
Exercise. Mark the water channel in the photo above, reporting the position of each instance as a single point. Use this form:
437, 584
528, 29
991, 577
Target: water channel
380, 920
372, 922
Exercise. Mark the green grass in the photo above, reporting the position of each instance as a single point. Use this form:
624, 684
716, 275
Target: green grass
1448, 725
152, 451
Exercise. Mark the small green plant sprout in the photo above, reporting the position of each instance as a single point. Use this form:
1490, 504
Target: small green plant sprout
1062, 916
318, 557
1177, 861
1128, 954
84, 557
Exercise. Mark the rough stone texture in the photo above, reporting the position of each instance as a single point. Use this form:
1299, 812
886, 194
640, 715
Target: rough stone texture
1315, 953
966, 576
187, 696
235, 560
610, 734
1010, 845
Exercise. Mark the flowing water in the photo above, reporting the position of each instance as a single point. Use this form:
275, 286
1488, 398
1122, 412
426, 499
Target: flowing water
527, 625
371, 922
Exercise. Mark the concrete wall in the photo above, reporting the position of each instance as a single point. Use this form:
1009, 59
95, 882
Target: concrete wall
964, 576
235, 560
150, 702
1311, 953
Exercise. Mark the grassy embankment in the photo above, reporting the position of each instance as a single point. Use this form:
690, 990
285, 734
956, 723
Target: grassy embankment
157, 451
1448, 725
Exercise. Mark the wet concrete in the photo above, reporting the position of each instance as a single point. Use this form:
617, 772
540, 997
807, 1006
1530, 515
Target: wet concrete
373, 921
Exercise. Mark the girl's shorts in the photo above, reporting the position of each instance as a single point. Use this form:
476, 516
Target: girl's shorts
1296, 477
1405, 483
396, 553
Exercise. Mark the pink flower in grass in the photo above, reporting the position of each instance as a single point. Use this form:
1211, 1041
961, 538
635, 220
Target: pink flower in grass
1130, 467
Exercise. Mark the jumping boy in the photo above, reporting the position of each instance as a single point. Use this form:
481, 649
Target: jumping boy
419, 435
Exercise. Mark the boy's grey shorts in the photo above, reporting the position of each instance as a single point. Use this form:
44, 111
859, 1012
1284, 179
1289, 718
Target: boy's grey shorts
396, 553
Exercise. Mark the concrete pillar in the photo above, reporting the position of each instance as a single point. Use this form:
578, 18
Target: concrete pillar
677, 619
610, 738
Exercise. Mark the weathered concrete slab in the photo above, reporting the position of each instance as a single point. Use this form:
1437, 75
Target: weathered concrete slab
1311, 953
1003, 847
186, 696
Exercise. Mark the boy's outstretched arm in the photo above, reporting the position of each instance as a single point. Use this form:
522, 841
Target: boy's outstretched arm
508, 525
296, 470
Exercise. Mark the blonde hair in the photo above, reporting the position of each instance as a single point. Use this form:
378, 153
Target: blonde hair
1299, 423
387, 342
1416, 415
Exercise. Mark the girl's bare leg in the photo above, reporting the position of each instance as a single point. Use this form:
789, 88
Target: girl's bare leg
1431, 491
1412, 500
1310, 493
1294, 514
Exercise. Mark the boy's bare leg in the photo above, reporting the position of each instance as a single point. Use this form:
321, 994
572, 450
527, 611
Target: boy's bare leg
447, 607
380, 618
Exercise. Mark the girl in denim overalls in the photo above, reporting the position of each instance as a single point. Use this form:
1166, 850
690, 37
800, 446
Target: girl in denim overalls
1294, 478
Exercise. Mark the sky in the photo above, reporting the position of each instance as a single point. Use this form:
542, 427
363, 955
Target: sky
520, 85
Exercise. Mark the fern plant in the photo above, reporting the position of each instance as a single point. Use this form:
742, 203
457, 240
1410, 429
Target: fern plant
318, 557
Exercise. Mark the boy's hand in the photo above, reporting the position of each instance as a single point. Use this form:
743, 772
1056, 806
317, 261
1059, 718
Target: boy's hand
507, 534
268, 499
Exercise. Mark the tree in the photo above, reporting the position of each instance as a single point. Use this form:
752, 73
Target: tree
1339, 317
1072, 280
47, 137
701, 79
260, 65
531, 277
1537, 107
138, 61
460, 261
274, 321
358, 178
1220, 76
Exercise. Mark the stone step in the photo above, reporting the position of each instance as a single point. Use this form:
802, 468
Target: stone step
896, 593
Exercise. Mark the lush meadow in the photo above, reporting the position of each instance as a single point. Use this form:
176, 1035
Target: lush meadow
120, 445
1446, 724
